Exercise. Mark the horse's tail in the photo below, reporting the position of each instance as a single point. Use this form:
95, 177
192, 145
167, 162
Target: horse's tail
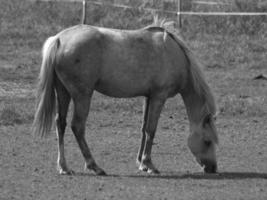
46, 101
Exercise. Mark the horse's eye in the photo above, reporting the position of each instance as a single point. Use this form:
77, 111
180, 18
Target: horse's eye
207, 142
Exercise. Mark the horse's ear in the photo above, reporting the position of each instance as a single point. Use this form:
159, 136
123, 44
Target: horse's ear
207, 120
210, 135
215, 116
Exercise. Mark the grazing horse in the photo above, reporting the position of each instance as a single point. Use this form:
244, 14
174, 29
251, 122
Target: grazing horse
150, 62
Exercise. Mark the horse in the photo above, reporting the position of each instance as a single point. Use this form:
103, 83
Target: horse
151, 62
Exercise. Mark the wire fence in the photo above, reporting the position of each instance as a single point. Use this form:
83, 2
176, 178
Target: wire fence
179, 13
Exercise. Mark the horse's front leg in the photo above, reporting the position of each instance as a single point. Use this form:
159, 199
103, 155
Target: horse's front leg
154, 110
143, 132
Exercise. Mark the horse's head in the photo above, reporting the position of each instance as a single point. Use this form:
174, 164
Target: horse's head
202, 143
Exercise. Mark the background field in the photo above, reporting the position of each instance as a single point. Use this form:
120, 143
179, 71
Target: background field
234, 52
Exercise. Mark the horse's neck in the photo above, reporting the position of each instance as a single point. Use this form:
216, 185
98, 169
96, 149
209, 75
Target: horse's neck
195, 105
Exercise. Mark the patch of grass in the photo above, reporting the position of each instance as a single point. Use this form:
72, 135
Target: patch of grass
247, 106
10, 116
19, 112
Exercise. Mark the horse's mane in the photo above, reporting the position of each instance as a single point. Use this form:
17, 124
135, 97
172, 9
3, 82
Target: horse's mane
198, 80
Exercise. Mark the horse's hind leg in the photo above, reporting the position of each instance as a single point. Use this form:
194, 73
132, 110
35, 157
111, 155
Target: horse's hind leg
81, 110
63, 99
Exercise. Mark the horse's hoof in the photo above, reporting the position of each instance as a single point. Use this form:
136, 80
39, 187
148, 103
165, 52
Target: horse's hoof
66, 172
101, 173
153, 171
98, 171
149, 170
143, 168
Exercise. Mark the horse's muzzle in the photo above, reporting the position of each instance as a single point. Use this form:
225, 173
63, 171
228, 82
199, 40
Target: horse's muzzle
209, 166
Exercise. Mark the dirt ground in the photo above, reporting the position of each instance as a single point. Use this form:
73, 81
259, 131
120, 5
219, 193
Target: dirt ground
28, 164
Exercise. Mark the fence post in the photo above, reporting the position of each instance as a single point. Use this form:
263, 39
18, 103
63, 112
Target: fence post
179, 17
83, 21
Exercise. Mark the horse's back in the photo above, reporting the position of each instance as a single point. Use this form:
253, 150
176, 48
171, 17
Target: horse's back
121, 63
141, 62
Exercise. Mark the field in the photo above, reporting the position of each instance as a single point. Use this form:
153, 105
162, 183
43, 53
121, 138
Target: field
235, 60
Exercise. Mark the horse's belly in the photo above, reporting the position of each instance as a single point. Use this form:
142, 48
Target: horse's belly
122, 88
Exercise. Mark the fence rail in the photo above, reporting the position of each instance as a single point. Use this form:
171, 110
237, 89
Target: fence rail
224, 13
211, 3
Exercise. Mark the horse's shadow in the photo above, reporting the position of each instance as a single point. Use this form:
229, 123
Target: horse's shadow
217, 176
177, 175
